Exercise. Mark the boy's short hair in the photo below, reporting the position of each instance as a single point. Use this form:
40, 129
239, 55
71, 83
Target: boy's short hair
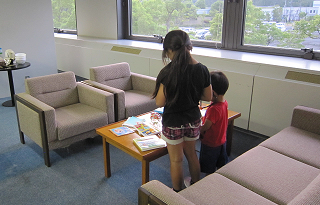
219, 82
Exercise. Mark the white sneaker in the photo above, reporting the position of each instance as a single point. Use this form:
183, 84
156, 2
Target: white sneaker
187, 181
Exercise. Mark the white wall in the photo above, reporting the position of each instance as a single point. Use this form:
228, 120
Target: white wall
27, 26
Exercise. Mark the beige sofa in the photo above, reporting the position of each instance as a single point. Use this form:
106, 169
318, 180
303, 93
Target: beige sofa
284, 169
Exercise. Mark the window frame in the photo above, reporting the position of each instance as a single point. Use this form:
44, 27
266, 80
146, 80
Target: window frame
232, 32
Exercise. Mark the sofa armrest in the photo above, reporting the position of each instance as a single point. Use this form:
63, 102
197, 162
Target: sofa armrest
155, 192
97, 98
28, 112
119, 98
143, 83
306, 118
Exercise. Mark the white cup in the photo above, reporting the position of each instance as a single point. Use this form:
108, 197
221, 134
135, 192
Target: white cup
20, 58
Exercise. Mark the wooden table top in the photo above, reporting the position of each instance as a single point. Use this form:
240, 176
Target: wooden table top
125, 143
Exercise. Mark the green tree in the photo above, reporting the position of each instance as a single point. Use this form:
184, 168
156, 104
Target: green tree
277, 14
201, 4
216, 7
309, 29
216, 28
64, 14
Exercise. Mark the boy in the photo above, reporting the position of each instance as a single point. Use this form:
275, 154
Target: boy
213, 154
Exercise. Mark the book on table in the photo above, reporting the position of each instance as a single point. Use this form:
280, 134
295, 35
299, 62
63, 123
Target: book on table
132, 121
119, 131
149, 142
146, 129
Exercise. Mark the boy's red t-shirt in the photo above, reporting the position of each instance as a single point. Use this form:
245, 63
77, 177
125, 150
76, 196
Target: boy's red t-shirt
217, 113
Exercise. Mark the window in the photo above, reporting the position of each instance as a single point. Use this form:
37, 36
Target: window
64, 17
202, 19
274, 27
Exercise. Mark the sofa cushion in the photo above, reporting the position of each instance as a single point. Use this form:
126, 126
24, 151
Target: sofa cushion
310, 195
217, 189
272, 175
138, 102
78, 118
296, 143
56, 90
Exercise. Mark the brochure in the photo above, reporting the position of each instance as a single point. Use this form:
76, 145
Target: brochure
119, 131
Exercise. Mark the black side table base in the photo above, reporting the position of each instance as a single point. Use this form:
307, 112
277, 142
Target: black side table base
8, 104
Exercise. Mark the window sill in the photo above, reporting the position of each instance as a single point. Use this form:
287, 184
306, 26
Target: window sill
291, 62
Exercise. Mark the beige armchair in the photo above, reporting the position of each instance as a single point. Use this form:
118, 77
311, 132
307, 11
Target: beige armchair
132, 91
56, 111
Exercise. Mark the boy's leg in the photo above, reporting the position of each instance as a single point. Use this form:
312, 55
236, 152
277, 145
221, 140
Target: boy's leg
208, 158
189, 149
176, 169
223, 157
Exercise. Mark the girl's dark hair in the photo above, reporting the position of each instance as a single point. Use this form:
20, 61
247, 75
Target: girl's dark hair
219, 82
170, 76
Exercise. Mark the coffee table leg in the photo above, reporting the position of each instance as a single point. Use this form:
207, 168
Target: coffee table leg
229, 136
145, 171
106, 154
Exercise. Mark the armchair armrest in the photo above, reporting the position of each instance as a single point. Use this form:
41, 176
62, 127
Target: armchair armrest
155, 192
97, 98
143, 82
306, 118
119, 98
30, 121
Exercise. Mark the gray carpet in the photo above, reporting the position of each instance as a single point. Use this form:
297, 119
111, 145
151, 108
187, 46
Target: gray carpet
77, 172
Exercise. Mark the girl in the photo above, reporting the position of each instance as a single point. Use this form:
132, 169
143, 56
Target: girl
180, 86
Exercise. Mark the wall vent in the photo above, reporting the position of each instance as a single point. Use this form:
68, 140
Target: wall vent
126, 50
305, 77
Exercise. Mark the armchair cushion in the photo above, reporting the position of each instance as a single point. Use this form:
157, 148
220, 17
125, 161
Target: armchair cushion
117, 75
78, 118
138, 102
55, 90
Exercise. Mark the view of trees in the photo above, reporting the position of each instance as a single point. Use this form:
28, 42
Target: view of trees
160, 16
64, 16
151, 17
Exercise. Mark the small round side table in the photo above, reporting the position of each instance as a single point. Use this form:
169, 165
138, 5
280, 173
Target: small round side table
9, 69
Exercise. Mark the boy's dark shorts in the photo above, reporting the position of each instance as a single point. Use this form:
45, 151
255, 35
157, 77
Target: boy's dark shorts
212, 158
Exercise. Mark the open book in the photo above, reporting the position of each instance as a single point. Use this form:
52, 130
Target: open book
149, 142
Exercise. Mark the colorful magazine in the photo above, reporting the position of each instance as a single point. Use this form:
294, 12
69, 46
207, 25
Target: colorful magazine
119, 131
132, 121
149, 143
146, 129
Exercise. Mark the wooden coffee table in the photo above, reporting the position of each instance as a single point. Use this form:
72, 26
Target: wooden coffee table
125, 143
